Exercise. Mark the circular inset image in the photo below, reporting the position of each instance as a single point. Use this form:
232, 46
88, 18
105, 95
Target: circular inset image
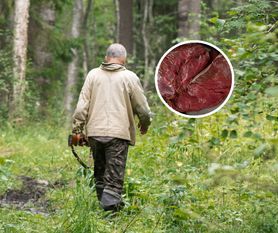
194, 79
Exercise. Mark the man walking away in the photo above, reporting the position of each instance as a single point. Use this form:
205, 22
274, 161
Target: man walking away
110, 98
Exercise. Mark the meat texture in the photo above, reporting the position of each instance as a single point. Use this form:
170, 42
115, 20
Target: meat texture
194, 77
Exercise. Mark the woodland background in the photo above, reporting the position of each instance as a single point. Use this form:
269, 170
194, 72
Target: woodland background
215, 174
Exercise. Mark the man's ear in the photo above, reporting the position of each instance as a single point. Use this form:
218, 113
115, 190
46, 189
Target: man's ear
105, 59
124, 60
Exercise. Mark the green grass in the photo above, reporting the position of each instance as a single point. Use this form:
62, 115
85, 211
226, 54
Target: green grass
183, 176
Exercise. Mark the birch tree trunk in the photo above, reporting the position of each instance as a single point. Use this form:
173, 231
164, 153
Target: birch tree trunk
72, 73
189, 18
126, 23
183, 12
147, 25
21, 18
194, 19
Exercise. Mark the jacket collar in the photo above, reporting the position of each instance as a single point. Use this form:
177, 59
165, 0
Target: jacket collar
112, 66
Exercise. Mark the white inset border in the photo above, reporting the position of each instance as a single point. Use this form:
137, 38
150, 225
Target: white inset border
195, 42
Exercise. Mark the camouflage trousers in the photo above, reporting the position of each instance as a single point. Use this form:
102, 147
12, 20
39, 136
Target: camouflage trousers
110, 156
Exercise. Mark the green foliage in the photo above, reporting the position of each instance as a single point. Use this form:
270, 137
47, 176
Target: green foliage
216, 174
45, 82
247, 33
183, 176
212, 18
5, 10
101, 30
160, 30
6, 76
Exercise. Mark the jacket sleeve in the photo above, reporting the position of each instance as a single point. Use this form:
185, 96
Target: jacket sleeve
81, 112
140, 105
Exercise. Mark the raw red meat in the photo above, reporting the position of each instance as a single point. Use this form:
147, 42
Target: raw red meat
194, 77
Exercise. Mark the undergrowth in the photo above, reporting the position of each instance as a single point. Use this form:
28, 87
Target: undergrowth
216, 174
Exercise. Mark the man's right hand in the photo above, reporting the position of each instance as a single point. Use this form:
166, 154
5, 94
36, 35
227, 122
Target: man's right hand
77, 128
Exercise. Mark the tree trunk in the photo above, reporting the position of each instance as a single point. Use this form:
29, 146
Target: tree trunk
146, 43
126, 23
147, 25
209, 3
86, 55
183, 11
150, 11
94, 43
194, 19
21, 19
189, 18
73, 65
41, 55
117, 16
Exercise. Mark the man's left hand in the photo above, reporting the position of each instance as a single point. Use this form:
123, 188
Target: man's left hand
143, 130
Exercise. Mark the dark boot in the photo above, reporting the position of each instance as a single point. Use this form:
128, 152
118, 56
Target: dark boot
99, 192
111, 201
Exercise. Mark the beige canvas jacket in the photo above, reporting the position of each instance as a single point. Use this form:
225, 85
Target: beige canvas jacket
109, 99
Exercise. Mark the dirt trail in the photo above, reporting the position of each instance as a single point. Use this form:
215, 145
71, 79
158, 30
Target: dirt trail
32, 193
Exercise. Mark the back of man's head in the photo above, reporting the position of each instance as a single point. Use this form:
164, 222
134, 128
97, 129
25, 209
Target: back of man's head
116, 51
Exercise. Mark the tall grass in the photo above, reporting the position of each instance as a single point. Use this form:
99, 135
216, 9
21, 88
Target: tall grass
216, 174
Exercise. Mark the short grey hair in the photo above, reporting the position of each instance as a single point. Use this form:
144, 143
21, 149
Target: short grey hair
116, 50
